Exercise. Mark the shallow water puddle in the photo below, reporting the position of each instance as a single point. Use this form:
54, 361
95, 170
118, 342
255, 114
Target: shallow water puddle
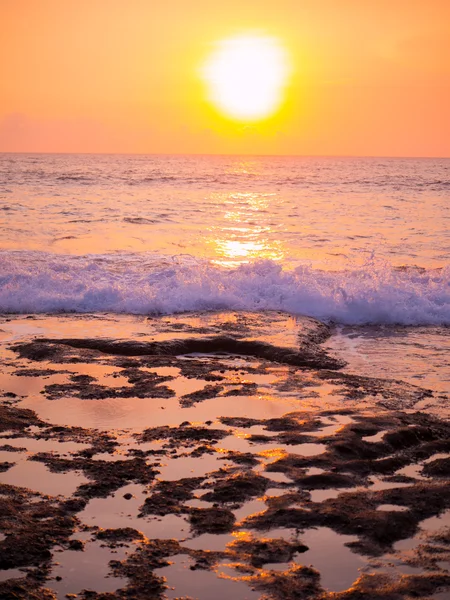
140, 413
31, 385
332, 425
28, 386
6, 574
437, 522
337, 564
128, 444
108, 457
35, 445
275, 492
413, 471
106, 375
263, 380
209, 541
201, 584
250, 508
69, 326
277, 477
377, 437
435, 457
322, 495
314, 471
431, 525
377, 484
392, 565
441, 596
179, 384
86, 570
392, 508
173, 469
108, 413
116, 511
36, 477
197, 503
109, 512
243, 443
164, 528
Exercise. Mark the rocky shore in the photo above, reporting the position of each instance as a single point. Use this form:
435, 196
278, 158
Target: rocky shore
206, 455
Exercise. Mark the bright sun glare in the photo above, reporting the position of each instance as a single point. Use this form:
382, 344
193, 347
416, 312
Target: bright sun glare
245, 77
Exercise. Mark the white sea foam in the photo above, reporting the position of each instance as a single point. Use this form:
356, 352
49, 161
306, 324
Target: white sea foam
37, 282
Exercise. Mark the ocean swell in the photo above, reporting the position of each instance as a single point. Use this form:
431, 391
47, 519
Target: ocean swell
37, 282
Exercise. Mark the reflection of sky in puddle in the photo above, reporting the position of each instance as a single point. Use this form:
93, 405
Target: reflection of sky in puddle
378, 484
140, 413
392, 565
87, 570
314, 471
275, 492
201, 584
431, 524
197, 503
322, 495
277, 477
327, 552
412, 548
332, 425
106, 375
66, 326
391, 508
262, 380
115, 512
24, 386
244, 444
173, 469
12, 574
179, 384
435, 457
209, 541
250, 508
34, 445
37, 477
337, 564
413, 471
375, 438
437, 522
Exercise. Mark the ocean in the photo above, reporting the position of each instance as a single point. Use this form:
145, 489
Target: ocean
362, 243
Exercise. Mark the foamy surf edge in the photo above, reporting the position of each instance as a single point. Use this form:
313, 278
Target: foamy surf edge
373, 293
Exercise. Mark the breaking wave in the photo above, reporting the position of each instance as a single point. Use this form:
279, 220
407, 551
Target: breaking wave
37, 282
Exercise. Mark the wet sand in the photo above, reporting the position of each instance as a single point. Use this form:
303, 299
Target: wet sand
213, 455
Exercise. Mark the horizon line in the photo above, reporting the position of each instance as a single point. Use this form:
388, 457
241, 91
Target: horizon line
380, 156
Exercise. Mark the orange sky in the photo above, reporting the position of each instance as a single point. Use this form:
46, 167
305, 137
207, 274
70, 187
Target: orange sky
371, 77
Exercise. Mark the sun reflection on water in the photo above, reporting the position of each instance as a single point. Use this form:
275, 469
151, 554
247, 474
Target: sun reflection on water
248, 231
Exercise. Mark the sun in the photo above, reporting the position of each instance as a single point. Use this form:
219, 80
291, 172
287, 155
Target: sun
245, 77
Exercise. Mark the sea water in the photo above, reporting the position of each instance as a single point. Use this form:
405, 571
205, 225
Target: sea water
363, 243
